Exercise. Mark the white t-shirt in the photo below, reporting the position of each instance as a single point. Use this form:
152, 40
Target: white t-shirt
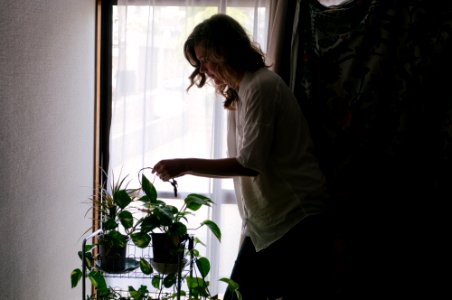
268, 133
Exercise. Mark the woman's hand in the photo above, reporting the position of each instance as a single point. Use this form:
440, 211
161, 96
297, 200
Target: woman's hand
169, 168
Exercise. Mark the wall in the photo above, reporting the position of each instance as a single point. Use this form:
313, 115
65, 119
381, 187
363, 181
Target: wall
46, 143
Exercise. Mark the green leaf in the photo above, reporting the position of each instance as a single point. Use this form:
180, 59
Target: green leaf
88, 255
138, 294
156, 281
140, 239
88, 248
88, 259
203, 265
233, 286
213, 228
75, 277
97, 279
165, 215
143, 289
105, 293
178, 229
149, 189
195, 201
133, 293
195, 252
198, 287
231, 283
109, 224
146, 267
169, 280
149, 223
144, 198
121, 198
114, 238
126, 219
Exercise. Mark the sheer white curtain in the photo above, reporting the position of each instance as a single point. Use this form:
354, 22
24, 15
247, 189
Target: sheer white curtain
154, 117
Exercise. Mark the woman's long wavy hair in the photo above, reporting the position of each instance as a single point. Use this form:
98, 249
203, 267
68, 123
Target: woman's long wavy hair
228, 45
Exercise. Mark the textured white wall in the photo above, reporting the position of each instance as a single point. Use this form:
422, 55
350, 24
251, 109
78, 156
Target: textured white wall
46, 143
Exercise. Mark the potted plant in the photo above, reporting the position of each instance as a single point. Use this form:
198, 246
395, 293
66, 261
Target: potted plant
109, 252
174, 244
158, 220
116, 224
167, 227
166, 224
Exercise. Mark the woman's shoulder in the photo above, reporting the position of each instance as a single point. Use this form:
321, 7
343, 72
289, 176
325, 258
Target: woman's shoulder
267, 73
264, 84
262, 77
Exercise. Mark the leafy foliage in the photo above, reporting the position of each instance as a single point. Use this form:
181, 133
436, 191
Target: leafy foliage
118, 224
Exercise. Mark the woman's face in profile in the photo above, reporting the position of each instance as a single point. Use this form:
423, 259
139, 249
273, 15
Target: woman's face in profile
207, 67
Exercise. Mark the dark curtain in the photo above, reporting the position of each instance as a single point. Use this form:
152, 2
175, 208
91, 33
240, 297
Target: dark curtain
282, 19
373, 78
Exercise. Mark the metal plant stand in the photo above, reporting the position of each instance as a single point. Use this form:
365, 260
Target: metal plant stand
135, 273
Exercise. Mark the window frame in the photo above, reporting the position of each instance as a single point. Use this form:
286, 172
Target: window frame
103, 90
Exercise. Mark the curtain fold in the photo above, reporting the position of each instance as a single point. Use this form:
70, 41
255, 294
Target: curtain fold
280, 33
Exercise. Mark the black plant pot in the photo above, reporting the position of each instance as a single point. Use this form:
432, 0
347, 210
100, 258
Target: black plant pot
167, 255
112, 258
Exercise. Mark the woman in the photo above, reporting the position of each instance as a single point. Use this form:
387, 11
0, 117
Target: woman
278, 184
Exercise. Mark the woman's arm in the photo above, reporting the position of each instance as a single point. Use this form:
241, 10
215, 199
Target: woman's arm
214, 168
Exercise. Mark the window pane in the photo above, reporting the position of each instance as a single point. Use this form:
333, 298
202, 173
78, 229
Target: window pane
154, 117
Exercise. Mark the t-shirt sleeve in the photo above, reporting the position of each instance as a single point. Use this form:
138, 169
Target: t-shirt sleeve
258, 127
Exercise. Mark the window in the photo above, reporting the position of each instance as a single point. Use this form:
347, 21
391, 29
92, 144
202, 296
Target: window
153, 117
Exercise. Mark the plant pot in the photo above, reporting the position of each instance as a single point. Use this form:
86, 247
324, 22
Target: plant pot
167, 255
112, 257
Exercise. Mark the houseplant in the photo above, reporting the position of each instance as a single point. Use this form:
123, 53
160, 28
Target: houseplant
167, 221
117, 224
168, 225
157, 219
